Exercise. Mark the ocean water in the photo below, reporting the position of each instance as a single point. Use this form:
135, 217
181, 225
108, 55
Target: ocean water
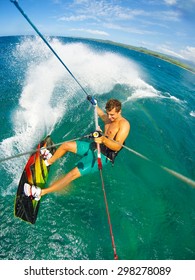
152, 211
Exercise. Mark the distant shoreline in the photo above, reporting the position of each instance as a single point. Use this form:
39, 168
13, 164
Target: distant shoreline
152, 53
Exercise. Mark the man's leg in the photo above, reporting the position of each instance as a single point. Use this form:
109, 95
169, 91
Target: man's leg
63, 182
62, 150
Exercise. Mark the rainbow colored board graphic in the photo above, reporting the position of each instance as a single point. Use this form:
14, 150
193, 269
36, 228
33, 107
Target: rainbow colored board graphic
35, 173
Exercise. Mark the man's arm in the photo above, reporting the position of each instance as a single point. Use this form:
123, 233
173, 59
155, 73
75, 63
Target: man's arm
102, 114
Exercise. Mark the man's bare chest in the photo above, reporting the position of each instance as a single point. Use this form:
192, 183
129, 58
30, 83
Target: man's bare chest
111, 130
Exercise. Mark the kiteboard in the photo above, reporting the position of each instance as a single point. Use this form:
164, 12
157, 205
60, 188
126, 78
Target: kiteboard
35, 173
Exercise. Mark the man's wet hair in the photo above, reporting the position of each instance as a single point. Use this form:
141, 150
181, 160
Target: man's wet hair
113, 103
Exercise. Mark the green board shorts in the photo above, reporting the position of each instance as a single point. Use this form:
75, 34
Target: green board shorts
88, 162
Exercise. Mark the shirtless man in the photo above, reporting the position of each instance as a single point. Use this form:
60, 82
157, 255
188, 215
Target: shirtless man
116, 128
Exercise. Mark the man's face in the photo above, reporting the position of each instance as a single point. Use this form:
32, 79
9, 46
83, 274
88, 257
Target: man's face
113, 115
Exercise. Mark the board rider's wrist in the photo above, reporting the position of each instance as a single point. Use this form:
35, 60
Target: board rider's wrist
104, 140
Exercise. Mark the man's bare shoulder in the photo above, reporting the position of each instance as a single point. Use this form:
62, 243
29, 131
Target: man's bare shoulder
123, 132
124, 122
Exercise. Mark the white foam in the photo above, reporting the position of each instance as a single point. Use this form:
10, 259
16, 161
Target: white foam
192, 113
142, 90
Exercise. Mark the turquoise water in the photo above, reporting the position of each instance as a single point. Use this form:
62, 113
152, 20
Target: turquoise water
152, 212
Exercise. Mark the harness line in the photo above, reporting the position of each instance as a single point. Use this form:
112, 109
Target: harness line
166, 169
36, 150
99, 161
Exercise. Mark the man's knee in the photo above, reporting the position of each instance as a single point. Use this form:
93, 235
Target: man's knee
75, 173
69, 147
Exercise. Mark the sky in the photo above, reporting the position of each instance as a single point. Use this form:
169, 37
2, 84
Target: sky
166, 26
